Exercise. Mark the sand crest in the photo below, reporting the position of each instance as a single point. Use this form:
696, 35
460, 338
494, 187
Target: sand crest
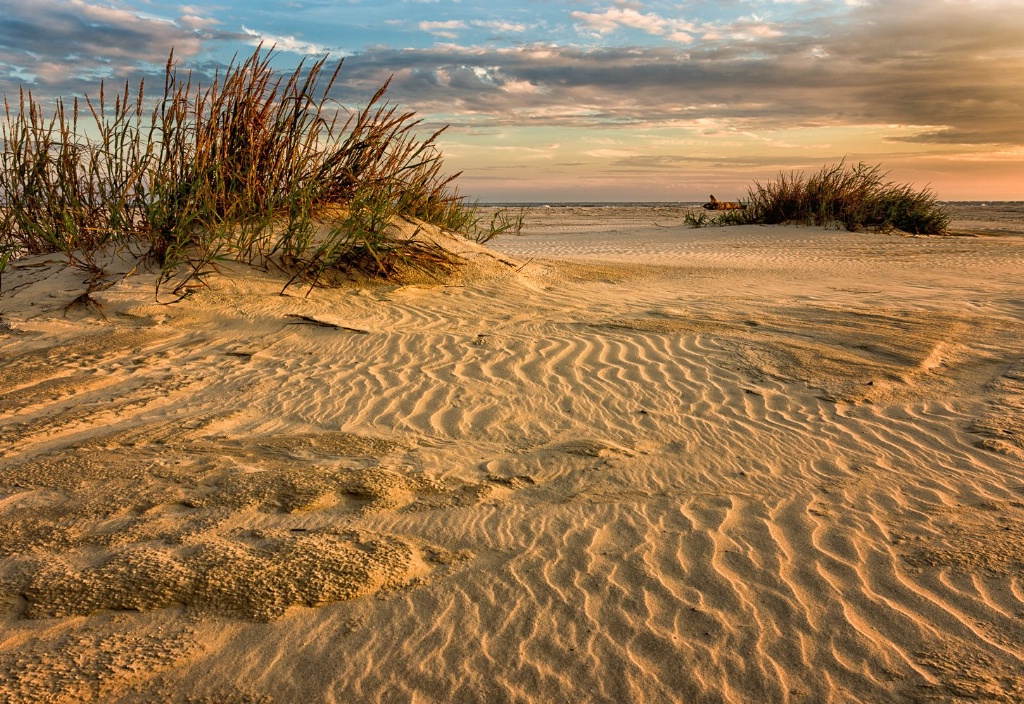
614, 459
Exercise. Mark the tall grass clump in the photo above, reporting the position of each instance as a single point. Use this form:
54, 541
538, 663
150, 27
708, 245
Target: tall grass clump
854, 197
255, 166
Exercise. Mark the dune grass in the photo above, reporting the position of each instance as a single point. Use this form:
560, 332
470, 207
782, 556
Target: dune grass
723, 218
257, 166
854, 197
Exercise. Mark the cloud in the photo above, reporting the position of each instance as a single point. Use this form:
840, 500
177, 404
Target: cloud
952, 75
514, 86
610, 20
501, 26
284, 43
194, 18
743, 29
611, 153
56, 45
548, 151
448, 29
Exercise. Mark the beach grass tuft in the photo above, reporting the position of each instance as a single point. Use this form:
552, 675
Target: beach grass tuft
697, 220
855, 197
256, 166
724, 218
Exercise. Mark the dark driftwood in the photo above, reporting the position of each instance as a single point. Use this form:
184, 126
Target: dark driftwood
715, 204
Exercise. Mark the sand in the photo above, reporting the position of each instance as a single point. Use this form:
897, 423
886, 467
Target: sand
613, 460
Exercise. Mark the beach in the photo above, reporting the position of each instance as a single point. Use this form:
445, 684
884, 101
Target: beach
612, 459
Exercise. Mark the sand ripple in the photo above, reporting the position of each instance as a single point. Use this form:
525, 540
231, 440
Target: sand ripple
781, 467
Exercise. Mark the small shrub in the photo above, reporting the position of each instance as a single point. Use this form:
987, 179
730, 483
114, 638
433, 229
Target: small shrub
854, 197
731, 217
722, 218
503, 222
696, 220
5, 257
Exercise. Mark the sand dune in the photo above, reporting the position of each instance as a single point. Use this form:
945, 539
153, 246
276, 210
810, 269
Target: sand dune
614, 460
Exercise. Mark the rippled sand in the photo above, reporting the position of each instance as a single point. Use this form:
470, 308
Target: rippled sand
617, 460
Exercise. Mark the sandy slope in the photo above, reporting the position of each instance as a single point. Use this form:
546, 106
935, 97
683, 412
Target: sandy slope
621, 461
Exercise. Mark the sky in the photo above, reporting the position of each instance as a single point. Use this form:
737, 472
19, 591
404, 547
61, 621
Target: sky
605, 100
